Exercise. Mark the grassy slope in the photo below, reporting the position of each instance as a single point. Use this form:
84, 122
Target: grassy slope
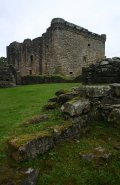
18, 104
63, 165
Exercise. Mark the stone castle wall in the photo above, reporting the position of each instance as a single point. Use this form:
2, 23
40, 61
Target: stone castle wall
9, 77
64, 49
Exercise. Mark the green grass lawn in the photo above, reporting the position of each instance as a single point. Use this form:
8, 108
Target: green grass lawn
20, 103
63, 165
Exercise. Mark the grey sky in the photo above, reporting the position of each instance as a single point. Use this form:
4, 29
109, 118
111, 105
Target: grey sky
20, 19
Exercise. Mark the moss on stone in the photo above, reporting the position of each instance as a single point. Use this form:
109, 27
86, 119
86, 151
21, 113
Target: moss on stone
23, 139
73, 100
62, 127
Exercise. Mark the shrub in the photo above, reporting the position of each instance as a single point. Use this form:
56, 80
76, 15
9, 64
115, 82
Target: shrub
39, 79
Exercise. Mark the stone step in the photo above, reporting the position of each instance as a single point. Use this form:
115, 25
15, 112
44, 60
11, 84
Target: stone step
29, 146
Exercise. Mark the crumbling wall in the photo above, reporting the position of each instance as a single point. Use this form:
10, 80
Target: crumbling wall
105, 71
26, 56
9, 77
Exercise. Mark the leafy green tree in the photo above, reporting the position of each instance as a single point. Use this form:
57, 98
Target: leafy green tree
3, 61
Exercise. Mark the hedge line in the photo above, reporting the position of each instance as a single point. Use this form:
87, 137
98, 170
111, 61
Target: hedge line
39, 79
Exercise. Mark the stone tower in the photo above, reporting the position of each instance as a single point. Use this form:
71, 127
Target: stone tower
64, 49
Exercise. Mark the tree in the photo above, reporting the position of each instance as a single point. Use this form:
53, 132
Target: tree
3, 61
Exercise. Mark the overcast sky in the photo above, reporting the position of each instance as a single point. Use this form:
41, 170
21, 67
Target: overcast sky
20, 19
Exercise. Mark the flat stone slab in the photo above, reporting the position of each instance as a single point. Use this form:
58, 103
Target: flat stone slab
76, 107
96, 91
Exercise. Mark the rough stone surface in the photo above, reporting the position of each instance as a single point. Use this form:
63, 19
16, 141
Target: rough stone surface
9, 77
76, 107
31, 147
98, 153
115, 89
64, 49
105, 71
62, 98
114, 117
95, 91
31, 176
79, 113
79, 126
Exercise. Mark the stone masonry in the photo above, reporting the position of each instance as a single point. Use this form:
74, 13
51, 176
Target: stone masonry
64, 49
105, 71
9, 77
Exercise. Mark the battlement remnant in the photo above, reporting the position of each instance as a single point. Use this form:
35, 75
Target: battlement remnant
63, 49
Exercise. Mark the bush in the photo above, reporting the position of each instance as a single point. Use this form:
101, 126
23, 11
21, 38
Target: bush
78, 79
39, 79
3, 62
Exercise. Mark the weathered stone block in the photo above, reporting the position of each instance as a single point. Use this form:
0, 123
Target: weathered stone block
30, 146
76, 107
96, 91
104, 62
65, 97
114, 118
115, 89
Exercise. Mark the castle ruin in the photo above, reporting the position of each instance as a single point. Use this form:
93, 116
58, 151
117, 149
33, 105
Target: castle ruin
64, 49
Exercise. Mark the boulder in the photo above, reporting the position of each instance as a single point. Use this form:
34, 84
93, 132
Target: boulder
76, 107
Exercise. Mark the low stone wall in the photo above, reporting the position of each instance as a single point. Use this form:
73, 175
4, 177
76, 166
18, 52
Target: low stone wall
106, 71
30, 146
40, 79
80, 108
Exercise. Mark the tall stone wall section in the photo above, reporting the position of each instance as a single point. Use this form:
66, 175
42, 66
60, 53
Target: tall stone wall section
25, 56
64, 49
